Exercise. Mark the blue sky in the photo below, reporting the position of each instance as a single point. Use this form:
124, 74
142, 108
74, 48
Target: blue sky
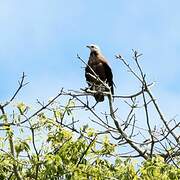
43, 37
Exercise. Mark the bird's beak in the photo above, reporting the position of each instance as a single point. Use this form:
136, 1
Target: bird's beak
88, 47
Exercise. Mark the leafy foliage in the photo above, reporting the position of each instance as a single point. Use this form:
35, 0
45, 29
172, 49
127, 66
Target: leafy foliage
54, 151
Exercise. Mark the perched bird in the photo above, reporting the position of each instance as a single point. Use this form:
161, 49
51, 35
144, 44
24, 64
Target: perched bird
99, 65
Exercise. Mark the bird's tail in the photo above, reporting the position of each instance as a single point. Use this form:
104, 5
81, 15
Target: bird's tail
99, 97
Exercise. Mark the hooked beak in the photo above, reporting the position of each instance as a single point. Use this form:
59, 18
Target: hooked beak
88, 47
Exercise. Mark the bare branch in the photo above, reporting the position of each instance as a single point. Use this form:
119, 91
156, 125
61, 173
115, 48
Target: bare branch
21, 85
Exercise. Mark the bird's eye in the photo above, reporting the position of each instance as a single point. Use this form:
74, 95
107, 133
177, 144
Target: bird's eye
92, 46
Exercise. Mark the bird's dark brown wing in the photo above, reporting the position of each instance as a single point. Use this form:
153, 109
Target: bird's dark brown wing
109, 76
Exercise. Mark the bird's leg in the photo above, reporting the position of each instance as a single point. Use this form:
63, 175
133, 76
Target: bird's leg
100, 88
93, 87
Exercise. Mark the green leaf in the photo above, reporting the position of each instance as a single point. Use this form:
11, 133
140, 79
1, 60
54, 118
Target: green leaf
22, 108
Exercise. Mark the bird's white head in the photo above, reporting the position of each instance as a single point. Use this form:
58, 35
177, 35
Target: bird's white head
93, 47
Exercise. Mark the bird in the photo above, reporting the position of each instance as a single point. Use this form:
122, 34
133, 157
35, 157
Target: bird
98, 66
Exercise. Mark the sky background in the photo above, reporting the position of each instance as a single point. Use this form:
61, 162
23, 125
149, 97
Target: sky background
42, 39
